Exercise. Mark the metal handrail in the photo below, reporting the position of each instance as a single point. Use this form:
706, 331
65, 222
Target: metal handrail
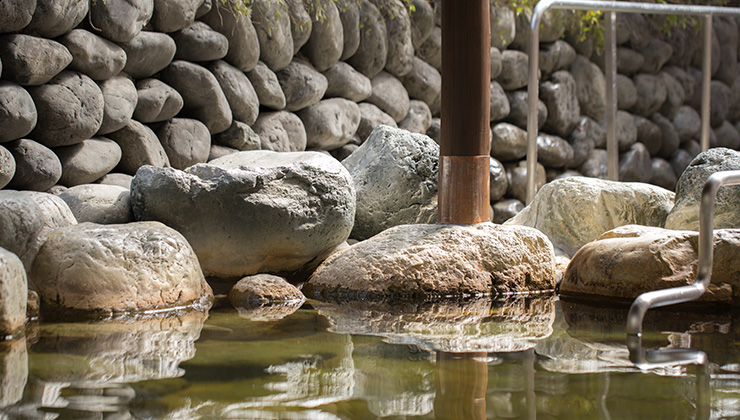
612, 7
658, 298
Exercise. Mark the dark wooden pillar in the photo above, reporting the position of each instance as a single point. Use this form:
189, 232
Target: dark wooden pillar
464, 177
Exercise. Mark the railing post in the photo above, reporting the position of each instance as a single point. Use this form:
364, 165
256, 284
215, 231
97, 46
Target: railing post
706, 69
610, 57
465, 144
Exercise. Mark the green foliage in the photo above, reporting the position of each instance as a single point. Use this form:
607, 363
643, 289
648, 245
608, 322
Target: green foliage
589, 24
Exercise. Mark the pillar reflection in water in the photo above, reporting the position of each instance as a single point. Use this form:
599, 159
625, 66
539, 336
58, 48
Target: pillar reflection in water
462, 380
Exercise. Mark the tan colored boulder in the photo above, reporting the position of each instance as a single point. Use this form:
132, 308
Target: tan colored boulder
263, 289
630, 260
577, 210
13, 294
118, 268
427, 262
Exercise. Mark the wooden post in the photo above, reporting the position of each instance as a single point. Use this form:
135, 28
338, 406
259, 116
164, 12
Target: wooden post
465, 145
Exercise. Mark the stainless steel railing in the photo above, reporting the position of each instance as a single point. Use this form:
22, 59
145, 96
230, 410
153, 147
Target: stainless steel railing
610, 8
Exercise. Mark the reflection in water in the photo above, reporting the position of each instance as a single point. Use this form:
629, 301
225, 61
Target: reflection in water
460, 334
462, 379
82, 368
481, 325
365, 361
13, 370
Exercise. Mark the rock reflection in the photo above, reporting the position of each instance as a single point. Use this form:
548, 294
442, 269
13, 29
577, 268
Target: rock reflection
77, 369
482, 325
13, 371
456, 335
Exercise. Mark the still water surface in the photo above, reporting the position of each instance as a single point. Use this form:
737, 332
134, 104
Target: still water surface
522, 358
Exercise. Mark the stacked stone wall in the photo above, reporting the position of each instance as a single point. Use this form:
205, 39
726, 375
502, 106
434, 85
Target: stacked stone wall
91, 91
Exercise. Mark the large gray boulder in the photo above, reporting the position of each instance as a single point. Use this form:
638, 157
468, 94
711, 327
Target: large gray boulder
390, 96
590, 87
84, 162
199, 42
685, 214
630, 260
651, 93
513, 74
346, 82
267, 86
557, 56
302, 85
173, 15
324, 46
70, 109
281, 131
426, 262
202, 95
15, 15
53, 18
252, 212
395, 174
37, 168
157, 101
272, 22
238, 90
398, 28
7, 167
372, 53
119, 98
423, 82
349, 13
186, 141
370, 117
148, 53
300, 24
139, 146
563, 109
99, 203
508, 142
32, 61
27, 218
93, 55
244, 46
431, 51
577, 210
118, 268
419, 118
17, 112
13, 293
122, 20
330, 123
240, 137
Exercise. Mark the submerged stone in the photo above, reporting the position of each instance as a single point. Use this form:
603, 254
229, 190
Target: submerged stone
428, 262
630, 260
